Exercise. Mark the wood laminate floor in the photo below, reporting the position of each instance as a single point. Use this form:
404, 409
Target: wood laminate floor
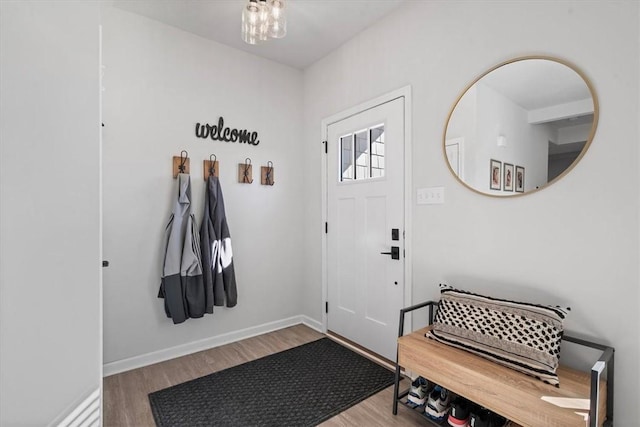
125, 395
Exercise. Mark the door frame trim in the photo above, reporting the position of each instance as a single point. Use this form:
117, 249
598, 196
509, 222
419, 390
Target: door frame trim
405, 94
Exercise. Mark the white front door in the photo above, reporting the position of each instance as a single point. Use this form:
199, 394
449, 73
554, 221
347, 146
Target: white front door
365, 212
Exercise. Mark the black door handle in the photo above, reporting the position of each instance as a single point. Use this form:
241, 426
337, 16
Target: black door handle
395, 252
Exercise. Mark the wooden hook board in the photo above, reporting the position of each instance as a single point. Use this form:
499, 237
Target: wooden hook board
207, 166
245, 173
263, 175
177, 160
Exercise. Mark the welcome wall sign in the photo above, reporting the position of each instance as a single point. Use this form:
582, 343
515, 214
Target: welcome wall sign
220, 133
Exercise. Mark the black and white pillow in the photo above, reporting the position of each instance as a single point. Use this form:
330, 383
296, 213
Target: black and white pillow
522, 336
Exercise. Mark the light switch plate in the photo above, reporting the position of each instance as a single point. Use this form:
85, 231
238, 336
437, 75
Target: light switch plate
430, 196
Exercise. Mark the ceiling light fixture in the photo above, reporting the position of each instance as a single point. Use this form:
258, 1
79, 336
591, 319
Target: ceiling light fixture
262, 20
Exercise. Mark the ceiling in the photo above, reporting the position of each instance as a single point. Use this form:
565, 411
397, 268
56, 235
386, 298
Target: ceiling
314, 27
538, 83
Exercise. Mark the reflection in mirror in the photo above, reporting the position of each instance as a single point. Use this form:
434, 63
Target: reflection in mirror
520, 126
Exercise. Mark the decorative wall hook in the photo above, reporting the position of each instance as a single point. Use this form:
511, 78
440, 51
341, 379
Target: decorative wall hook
181, 164
183, 159
266, 174
245, 172
210, 167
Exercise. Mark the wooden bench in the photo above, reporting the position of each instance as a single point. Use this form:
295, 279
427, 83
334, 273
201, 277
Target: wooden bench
512, 394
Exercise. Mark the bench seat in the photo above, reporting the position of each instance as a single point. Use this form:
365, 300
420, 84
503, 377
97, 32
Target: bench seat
509, 393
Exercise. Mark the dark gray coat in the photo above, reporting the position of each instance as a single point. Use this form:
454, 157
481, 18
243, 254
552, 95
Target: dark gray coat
217, 255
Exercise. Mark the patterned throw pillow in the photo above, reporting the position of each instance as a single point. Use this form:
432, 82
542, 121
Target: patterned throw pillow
525, 337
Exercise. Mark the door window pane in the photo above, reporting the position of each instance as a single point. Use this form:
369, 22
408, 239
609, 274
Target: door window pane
346, 158
362, 154
377, 152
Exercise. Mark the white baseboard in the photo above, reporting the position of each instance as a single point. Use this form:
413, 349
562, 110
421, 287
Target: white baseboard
135, 362
312, 323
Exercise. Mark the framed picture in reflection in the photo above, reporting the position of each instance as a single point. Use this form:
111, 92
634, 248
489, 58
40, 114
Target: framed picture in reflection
495, 174
507, 179
519, 179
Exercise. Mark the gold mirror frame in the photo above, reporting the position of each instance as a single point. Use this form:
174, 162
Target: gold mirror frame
596, 110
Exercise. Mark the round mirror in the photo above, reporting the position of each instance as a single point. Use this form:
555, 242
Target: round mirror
520, 126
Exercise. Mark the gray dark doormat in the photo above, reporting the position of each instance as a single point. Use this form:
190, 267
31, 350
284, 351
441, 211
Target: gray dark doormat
302, 386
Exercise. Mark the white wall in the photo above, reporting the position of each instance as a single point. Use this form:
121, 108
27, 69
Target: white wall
570, 134
527, 145
159, 82
50, 211
562, 245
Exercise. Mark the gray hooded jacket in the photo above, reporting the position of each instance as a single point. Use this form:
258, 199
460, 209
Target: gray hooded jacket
217, 255
182, 287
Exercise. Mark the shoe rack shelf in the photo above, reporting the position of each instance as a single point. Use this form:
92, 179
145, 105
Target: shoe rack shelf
509, 393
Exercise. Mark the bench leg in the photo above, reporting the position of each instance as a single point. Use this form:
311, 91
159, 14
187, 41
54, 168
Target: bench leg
396, 390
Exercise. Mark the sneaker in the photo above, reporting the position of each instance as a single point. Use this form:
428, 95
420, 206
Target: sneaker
496, 420
485, 418
418, 392
459, 414
438, 404
479, 418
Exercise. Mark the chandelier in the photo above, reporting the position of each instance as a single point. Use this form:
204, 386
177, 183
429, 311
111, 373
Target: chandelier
262, 20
